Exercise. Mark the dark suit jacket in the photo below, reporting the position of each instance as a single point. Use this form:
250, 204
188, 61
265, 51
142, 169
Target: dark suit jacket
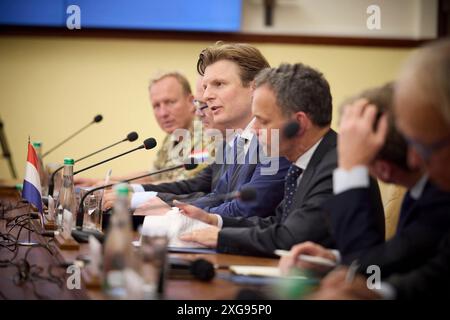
305, 221
357, 220
424, 224
190, 189
431, 280
269, 188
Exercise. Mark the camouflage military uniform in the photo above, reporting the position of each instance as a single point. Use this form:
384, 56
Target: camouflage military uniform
174, 153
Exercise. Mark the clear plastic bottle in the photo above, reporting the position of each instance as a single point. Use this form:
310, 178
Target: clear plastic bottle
118, 260
43, 176
67, 200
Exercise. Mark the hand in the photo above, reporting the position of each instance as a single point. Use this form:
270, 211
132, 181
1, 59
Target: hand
152, 207
309, 248
109, 198
335, 287
196, 213
85, 182
358, 142
207, 236
101, 183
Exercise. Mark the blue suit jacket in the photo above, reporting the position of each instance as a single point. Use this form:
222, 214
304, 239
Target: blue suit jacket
269, 187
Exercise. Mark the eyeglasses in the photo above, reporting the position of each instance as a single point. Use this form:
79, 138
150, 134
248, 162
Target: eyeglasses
425, 151
200, 105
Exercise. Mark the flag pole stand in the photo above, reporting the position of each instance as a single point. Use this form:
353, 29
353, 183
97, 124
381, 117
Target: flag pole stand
28, 243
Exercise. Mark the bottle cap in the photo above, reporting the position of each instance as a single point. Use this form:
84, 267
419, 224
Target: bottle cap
122, 189
69, 161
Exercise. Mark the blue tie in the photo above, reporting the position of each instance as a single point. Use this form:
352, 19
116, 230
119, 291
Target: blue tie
290, 186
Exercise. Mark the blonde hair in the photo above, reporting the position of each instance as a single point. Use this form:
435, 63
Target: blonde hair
182, 80
248, 58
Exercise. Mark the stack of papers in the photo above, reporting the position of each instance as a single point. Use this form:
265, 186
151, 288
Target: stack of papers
173, 224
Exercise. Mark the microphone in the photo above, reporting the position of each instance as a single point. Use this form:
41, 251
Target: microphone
132, 136
200, 269
245, 194
148, 144
291, 129
97, 119
82, 235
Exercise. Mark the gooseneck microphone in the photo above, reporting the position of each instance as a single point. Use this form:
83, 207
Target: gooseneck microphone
81, 235
97, 119
148, 144
132, 136
245, 194
200, 269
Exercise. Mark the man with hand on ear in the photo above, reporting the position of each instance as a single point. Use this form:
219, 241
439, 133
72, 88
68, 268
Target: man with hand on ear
383, 152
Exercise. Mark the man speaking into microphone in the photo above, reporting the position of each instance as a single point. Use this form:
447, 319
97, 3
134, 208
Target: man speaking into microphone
228, 72
289, 93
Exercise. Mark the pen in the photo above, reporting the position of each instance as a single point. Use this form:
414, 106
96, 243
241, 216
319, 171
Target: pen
351, 271
307, 258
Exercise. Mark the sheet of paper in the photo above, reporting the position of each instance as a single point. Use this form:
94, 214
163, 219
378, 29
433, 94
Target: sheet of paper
260, 271
173, 223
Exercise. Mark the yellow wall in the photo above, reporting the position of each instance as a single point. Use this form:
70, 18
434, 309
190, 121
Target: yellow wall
50, 87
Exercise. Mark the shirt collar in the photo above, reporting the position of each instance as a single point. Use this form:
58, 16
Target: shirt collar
303, 161
247, 133
416, 191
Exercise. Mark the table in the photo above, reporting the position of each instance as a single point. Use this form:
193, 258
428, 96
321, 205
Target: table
48, 262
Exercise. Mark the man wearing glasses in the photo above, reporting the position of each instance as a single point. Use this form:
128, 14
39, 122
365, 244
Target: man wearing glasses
422, 111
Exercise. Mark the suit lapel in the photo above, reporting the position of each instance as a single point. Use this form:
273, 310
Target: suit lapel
328, 142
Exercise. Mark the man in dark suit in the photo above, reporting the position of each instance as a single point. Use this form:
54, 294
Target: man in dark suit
298, 94
424, 218
422, 111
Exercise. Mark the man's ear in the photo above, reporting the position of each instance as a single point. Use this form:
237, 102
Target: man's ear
302, 120
252, 85
382, 170
190, 98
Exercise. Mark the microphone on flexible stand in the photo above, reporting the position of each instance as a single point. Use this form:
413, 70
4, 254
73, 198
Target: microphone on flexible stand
132, 136
245, 194
97, 119
148, 144
82, 235
200, 269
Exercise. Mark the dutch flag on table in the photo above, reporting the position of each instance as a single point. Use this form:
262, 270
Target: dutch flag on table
32, 183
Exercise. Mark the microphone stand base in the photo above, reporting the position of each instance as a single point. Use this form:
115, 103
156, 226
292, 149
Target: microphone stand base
82, 235
66, 243
27, 244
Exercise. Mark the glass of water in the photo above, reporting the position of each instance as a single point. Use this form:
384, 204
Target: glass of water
92, 218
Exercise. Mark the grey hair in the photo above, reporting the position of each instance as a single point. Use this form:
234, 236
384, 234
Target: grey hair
182, 80
429, 67
298, 87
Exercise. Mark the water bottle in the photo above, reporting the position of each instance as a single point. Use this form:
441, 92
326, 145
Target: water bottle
66, 200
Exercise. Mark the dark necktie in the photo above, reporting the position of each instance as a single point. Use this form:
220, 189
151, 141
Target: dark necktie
407, 204
290, 186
